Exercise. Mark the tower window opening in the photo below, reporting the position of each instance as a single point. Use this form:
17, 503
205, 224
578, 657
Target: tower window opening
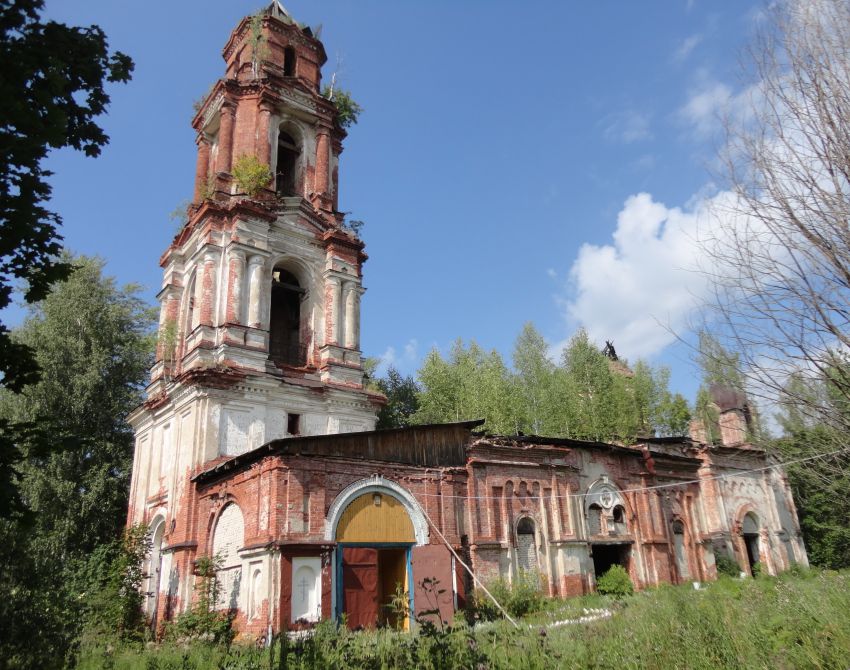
289, 62
285, 345
287, 165
293, 424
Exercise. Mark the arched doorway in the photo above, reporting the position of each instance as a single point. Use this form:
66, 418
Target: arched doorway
750, 532
285, 345
374, 536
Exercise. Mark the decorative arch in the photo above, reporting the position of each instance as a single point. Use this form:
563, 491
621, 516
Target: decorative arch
377, 484
606, 508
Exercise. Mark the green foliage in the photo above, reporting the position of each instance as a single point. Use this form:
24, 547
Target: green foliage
586, 396
51, 94
615, 582
820, 485
113, 609
167, 340
251, 175
726, 565
257, 42
203, 621
787, 622
402, 399
347, 110
93, 342
519, 598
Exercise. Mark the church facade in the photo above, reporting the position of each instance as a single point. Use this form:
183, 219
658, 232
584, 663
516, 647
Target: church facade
256, 443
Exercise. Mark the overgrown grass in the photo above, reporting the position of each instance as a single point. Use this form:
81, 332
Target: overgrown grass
794, 621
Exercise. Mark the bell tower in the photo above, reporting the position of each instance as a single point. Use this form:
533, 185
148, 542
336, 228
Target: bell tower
260, 302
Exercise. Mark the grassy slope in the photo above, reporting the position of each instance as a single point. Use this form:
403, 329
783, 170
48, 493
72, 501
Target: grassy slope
790, 622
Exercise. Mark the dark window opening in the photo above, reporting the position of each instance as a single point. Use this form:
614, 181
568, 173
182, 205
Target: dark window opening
525, 526
678, 528
285, 346
287, 165
289, 62
293, 424
618, 516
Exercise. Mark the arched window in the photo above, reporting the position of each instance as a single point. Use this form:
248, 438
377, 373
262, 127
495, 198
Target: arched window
285, 346
289, 62
526, 547
286, 174
618, 516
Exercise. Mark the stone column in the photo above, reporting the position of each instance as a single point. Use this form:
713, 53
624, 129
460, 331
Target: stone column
263, 141
208, 281
334, 329
225, 139
235, 274
256, 264
352, 316
323, 157
202, 168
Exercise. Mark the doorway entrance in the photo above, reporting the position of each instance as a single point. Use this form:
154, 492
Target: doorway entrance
750, 531
372, 579
373, 576
606, 555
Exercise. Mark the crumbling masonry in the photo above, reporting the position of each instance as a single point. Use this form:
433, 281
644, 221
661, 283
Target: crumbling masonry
257, 440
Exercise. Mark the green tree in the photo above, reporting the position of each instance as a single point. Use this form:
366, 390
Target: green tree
402, 399
51, 93
470, 384
94, 343
535, 382
589, 376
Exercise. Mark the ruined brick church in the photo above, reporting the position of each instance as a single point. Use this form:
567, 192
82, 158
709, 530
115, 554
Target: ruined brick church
257, 440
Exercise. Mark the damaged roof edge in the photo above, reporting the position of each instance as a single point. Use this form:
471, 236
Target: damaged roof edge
302, 445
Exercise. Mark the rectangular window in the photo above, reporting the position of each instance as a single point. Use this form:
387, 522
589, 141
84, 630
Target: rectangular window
293, 424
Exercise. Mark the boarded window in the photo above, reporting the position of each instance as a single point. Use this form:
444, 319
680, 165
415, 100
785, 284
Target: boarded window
228, 539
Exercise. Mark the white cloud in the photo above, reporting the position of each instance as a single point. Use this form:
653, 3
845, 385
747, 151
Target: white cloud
686, 47
712, 101
646, 282
627, 126
405, 362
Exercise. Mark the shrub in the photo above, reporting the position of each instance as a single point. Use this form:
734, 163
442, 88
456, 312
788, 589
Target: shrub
726, 566
203, 621
520, 597
615, 582
347, 111
251, 175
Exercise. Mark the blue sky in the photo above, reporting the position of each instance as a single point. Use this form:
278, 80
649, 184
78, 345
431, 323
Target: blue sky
542, 161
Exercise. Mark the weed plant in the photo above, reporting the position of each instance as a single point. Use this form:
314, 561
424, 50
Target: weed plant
798, 620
